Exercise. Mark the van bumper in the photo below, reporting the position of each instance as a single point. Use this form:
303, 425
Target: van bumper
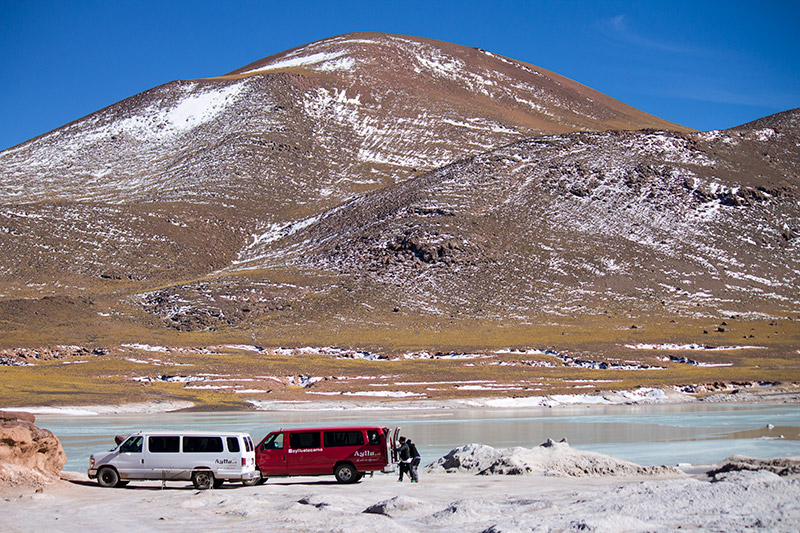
250, 476
92, 473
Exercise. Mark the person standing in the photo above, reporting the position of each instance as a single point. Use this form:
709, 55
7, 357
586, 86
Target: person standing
415, 460
404, 454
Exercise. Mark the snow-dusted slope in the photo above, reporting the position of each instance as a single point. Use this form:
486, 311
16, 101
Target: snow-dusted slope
317, 124
260, 149
700, 224
379, 171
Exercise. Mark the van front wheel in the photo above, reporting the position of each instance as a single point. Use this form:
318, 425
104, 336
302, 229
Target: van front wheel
346, 473
203, 479
107, 477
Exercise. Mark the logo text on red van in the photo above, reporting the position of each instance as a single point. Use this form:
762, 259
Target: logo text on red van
365, 453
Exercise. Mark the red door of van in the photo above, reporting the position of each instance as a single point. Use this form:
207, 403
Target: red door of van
271, 456
305, 455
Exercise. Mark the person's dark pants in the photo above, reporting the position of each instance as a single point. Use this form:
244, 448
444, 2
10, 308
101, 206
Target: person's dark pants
405, 468
412, 470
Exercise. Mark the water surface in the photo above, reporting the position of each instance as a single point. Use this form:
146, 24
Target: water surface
645, 434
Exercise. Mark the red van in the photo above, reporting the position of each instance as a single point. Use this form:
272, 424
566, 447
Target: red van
346, 452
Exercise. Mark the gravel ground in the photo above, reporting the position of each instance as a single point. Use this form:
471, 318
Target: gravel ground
461, 501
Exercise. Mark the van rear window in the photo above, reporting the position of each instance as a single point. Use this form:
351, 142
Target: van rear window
373, 436
233, 444
299, 441
163, 444
202, 444
344, 438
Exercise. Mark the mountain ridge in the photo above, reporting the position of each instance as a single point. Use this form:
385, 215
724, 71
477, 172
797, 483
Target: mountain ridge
257, 196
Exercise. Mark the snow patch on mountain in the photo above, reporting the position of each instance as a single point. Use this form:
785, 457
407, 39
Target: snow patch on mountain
155, 123
300, 61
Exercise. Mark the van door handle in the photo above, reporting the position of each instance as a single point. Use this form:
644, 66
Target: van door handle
141, 461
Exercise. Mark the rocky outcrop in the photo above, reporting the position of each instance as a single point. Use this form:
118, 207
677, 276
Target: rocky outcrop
737, 463
29, 455
26, 356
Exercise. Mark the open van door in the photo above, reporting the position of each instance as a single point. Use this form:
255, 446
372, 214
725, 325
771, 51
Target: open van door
393, 444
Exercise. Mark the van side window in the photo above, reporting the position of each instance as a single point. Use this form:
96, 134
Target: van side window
343, 438
202, 444
305, 440
163, 444
233, 444
273, 442
248, 444
373, 436
132, 445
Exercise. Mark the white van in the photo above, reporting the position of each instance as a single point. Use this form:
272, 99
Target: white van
207, 459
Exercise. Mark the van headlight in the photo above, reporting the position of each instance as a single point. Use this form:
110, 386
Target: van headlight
91, 461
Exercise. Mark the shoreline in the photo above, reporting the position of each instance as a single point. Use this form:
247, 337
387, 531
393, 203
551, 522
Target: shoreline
753, 393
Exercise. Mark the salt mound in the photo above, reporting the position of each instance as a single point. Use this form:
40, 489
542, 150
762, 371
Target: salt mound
550, 459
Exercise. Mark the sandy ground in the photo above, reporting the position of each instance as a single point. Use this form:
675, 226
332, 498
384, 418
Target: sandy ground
440, 502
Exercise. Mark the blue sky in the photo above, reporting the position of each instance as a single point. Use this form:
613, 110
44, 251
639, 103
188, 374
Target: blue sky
703, 64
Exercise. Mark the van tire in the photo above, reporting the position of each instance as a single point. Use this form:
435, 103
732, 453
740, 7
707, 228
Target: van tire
203, 479
346, 473
107, 477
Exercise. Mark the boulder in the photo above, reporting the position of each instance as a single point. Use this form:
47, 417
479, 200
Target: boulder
18, 415
29, 455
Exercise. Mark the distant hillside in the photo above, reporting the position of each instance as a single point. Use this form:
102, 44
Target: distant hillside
383, 182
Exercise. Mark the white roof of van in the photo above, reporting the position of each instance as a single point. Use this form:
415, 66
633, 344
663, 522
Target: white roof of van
168, 433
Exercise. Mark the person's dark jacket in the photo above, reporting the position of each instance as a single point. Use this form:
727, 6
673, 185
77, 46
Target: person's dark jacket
412, 450
405, 452
413, 453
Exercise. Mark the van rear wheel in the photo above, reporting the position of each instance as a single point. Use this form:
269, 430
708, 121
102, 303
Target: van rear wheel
203, 479
107, 477
346, 473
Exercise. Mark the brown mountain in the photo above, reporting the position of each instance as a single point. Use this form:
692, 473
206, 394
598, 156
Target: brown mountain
371, 183
650, 223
